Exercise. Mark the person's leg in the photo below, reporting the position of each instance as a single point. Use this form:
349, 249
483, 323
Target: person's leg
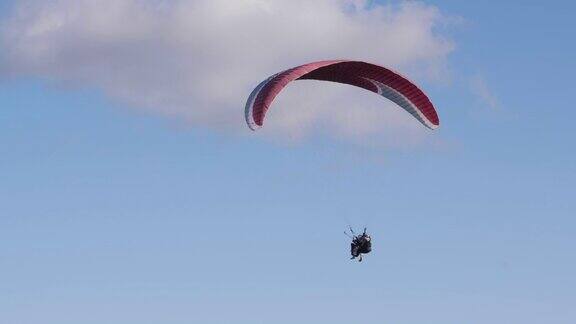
353, 250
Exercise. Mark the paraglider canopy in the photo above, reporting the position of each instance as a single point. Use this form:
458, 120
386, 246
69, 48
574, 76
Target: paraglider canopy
374, 78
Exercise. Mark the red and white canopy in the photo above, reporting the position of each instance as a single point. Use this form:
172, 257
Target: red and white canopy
380, 80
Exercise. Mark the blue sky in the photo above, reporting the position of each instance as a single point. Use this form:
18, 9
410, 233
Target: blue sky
113, 214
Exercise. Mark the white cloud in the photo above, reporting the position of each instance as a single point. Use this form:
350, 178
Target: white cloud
199, 60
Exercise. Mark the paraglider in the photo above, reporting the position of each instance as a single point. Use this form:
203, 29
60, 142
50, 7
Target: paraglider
361, 244
371, 77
